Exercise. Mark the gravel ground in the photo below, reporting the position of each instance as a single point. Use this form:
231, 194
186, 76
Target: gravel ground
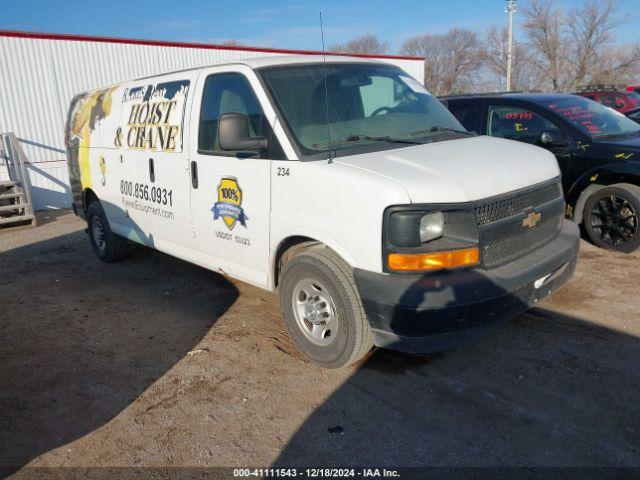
155, 362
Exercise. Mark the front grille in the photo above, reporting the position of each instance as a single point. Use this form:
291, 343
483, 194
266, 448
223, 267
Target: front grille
512, 204
503, 238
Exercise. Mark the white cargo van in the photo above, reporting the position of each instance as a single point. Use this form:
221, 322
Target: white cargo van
341, 184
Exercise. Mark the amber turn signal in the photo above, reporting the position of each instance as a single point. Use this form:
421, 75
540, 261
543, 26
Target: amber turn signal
433, 261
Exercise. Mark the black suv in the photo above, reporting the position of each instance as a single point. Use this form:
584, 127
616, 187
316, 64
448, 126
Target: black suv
598, 150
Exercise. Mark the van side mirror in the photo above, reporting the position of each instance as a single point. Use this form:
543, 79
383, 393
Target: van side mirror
233, 134
554, 139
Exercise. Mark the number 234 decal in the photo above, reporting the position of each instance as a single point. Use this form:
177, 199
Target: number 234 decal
283, 171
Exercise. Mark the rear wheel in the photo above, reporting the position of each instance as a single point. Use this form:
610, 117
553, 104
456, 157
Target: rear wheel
611, 217
108, 246
322, 308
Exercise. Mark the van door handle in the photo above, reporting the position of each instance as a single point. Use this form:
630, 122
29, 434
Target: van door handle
194, 174
152, 173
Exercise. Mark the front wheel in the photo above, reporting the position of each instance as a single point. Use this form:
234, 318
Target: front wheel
322, 308
611, 217
108, 246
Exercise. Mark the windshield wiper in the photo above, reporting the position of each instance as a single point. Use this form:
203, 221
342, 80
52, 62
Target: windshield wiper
438, 128
355, 138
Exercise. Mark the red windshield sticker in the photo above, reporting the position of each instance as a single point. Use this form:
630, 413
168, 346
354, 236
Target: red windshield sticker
518, 116
592, 127
574, 112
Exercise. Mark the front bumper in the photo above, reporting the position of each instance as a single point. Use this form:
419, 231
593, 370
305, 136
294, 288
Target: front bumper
437, 311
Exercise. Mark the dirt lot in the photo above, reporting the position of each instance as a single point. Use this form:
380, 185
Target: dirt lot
155, 362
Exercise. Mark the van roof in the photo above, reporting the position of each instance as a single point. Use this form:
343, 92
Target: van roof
273, 61
270, 61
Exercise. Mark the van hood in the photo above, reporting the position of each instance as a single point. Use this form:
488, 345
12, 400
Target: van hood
461, 170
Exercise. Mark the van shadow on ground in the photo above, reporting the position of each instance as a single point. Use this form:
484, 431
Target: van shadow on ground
545, 390
78, 344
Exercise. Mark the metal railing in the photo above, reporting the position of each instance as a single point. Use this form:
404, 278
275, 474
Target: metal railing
15, 166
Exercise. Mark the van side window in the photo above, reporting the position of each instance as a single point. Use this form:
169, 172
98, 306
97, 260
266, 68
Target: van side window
232, 93
517, 123
380, 93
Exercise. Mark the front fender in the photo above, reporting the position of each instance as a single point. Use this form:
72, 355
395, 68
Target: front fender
313, 235
590, 181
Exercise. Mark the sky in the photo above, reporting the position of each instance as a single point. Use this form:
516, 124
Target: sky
292, 24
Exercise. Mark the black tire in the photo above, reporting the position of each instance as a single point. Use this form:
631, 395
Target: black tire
611, 217
108, 246
352, 337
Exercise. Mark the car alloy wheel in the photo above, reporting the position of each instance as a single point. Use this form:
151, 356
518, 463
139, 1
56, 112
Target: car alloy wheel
614, 220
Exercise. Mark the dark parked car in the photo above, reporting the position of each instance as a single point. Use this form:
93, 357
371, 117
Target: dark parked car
598, 150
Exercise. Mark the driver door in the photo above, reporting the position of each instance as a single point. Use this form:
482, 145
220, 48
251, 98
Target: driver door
231, 191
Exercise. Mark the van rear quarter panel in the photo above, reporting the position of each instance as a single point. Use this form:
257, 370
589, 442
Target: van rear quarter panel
100, 152
90, 117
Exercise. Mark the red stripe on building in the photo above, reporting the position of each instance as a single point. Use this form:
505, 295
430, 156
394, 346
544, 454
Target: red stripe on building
160, 43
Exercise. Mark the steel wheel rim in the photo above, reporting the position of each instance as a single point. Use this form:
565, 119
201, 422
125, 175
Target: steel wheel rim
614, 220
315, 311
97, 232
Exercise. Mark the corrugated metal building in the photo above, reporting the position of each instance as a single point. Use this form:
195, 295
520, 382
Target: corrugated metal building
40, 73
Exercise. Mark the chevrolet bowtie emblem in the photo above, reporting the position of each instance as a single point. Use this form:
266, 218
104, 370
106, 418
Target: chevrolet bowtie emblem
531, 220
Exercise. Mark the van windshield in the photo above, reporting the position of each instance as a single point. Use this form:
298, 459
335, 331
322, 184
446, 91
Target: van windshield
362, 107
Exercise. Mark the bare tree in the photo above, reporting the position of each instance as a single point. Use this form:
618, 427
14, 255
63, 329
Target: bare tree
577, 48
590, 28
544, 28
617, 65
495, 57
452, 60
367, 44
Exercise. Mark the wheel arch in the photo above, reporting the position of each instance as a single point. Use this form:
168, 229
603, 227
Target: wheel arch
595, 180
88, 196
292, 241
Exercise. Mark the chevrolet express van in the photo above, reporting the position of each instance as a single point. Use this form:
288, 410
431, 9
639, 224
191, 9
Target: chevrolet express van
341, 184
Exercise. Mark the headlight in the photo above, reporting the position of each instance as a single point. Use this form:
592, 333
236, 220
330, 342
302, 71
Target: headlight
424, 237
412, 228
431, 226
